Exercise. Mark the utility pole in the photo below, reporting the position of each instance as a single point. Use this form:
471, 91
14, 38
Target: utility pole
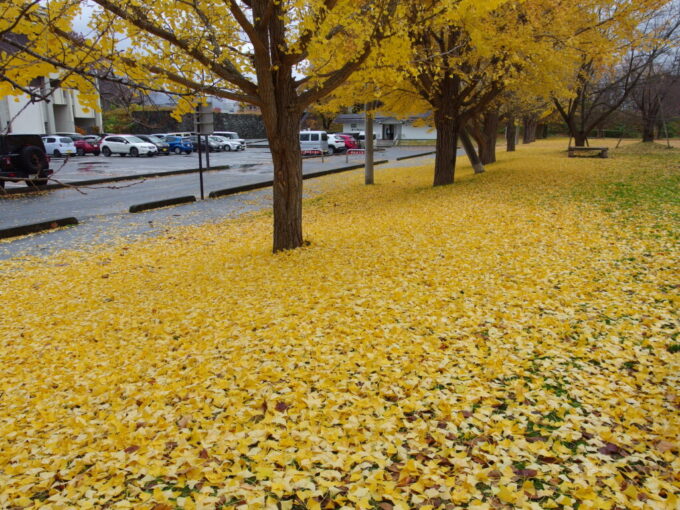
368, 136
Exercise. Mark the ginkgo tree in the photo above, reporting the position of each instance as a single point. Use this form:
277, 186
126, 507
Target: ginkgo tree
252, 51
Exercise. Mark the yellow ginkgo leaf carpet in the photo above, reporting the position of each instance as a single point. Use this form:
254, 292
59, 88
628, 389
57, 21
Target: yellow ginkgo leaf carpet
508, 341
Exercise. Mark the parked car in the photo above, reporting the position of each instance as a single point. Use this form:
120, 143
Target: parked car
350, 141
87, 145
127, 144
58, 146
213, 145
183, 134
314, 141
162, 146
179, 145
228, 144
23, 157
336, 143
231, 135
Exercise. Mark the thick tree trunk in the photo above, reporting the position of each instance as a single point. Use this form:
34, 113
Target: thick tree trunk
283, 128
471, 152
580, 139
487, 145
530, 125
511, 135
447, 138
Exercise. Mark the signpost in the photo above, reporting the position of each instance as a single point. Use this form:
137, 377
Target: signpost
203, 125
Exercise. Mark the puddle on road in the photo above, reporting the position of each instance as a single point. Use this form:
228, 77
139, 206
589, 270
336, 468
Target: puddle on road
91, 167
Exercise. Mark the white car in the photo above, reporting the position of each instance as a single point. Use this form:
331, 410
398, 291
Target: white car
59, 146
336, 143
228, 144
127, 144
231, 135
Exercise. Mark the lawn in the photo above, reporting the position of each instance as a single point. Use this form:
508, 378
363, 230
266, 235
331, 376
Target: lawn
510, 341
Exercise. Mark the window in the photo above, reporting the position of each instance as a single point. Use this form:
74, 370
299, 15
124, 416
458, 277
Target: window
65, 140
314, 137
324, 137
304, 137
353, 126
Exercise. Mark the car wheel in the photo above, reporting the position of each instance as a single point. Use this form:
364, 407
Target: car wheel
106, 151
134, 152
227, 148
56, 153
178, 150
32, 159
80, 151
96, 153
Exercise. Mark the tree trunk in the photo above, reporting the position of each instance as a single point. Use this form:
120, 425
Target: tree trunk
369, 153
447, 138
283, 128
487, 145
530, 125
580, 139
648, 129
472, 155
511, 135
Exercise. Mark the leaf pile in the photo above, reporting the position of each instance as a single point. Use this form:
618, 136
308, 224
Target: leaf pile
509, 341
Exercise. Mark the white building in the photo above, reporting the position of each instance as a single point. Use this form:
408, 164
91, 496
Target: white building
387, 128
62, 113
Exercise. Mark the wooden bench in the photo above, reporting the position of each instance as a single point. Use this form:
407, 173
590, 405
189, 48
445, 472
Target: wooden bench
603, 152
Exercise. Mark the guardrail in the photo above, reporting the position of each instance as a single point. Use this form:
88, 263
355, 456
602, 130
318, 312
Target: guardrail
352, 152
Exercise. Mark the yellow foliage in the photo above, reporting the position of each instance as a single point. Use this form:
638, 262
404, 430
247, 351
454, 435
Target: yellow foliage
505, 337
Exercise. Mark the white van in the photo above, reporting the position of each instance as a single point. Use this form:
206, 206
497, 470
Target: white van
182, 134
232, 135
314, 141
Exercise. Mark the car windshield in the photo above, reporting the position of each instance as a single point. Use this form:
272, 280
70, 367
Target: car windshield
134, 139
65, 140
155, 139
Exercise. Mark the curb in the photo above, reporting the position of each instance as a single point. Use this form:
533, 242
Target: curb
104, 180
162, 203
416, 155
36, 227
266, 184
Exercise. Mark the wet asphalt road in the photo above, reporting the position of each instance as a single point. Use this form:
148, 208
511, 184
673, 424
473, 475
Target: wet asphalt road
102, 210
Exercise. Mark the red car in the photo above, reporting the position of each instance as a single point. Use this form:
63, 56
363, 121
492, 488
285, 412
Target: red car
87, 146
350, 142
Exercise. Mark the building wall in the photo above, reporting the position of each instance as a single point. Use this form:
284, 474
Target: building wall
410, 132
63, 113
405, 131
21, 116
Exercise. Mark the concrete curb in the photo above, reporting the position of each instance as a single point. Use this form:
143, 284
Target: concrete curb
104, 180
36, 227
266, 184
402, 158
162, 203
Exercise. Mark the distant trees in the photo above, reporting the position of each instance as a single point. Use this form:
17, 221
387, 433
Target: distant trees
614, 54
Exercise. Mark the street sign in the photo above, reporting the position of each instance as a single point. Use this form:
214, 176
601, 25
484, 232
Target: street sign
203, 120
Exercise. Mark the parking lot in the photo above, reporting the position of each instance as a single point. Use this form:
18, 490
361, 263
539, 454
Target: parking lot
80, 168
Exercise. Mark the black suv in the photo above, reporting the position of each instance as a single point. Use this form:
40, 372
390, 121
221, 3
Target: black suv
22, 157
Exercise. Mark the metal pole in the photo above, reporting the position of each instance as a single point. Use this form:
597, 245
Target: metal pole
207, 153
200, 164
